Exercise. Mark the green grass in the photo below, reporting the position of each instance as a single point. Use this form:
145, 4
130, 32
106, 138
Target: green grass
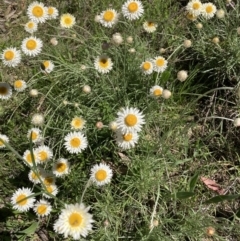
186, 136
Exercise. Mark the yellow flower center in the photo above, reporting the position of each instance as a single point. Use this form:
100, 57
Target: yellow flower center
9, 55
61, 167
108, 16
101, 175
43, 155
49, 189
157, 92
1, 143
77, 122
103, 63
160, 62
18, 84
3, 90
68, 20
34, 176
48, 181
50, 11
133, 7
75, 142
30, 25
209, 9
21, 199
46, 64
130, 120
127, 137
196, 6
37, 11
33, 135
31, 44
29, 158
75, 220
150, 24
42, 209
146, 66
191, 16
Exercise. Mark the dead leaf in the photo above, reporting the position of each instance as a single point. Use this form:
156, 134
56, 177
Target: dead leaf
124, 158
211, 184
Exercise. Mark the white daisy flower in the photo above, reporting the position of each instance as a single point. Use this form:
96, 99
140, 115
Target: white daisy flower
37, 119
147, 67
32, 46
86, 89
77, 123
31, 27
117, 39
156, 91
166, 94
5, 139
103, 64
37, 12
48, 178
74, 221
42, 208
128, 140
113, 125
32, 176
182, 75
194, 7
51, 189
61, 167
52, 13
159, 64
21, 200
130, 120
101, 174
11, 57
67, 20
150, 26
132, 10
35, 134
5, 91
191, 17
109, 18
19, 85
75, 142
44, 153
47, 66
208, 10
28, 157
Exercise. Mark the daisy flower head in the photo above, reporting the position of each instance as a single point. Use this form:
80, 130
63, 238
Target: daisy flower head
50, 189
159, 64
191, 17
37, 119
103, 64
182, 75
52, 12
147, 67
19, 85
42, 208
166, 94
11, 57
48, 178
67, 20
75, 142
37, 12
109, 18
128, 140
35, 134
149, 26
113, 126
117, 39
61, 167
5, 139
194, 7
47, 66
28, 158
130, 120
44, 153
21, 200
33, 176
32, 46
132, 10
74, 221
5, 91
31, 27
101, 174
156, 91
86, 89
33, 93
208, 10
77, 123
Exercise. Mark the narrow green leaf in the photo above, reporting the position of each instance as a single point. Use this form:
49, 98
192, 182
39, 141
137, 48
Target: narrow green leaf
184, 195
31, 229
165, 76
193, 182
238, 213
221, 198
